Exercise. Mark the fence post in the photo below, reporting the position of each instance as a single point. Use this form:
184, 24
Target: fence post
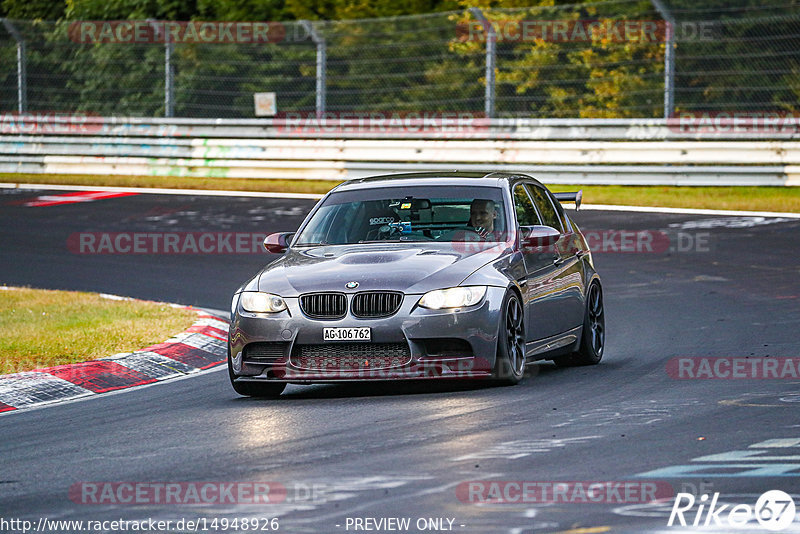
22, 76
169, 73
169, 76
491, 39
322, 75
669, 58
322, 62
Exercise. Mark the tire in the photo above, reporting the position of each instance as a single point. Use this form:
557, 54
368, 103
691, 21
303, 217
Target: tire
509, 366
271, 390
593, 337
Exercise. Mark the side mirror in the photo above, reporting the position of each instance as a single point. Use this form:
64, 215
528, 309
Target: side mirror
278, 243
539, 236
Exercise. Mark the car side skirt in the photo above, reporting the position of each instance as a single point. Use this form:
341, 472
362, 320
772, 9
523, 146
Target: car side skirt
543, 349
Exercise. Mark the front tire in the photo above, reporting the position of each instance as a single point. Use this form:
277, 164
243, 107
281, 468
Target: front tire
271, 390
509, 366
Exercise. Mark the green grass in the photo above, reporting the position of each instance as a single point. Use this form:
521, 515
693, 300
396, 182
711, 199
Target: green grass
42, 328
731, 198
176, 182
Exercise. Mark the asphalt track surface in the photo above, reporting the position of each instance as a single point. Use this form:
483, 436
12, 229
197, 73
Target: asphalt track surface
402, 450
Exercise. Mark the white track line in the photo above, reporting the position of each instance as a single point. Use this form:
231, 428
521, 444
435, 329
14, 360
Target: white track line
161, 191
220, 193
690, 211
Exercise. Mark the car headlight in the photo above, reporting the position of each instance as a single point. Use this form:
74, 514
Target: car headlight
454, 297
255, 301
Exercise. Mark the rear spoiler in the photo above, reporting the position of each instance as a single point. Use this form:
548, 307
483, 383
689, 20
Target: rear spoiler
570, 197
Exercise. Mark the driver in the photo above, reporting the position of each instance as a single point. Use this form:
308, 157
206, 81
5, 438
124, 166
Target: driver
482, 213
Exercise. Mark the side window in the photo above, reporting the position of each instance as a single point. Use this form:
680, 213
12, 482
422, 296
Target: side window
549, 214
526, 213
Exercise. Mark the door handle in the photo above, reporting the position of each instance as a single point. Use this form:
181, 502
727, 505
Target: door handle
561, 259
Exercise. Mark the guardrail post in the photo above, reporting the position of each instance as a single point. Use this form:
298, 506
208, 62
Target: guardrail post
491, 40
322, 62
669, 58
22, 76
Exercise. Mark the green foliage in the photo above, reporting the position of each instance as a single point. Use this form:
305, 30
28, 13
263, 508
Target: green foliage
750, 59
32, 9
130, 9
249, 10
363, 9
589, 76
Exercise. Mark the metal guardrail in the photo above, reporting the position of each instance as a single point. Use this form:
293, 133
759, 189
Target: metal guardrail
612, 174
613, 151
438, 126
430, 151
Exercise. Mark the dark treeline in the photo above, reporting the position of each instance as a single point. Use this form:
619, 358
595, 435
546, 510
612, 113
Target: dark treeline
244, 10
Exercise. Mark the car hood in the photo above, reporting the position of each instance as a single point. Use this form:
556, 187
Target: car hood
410, 268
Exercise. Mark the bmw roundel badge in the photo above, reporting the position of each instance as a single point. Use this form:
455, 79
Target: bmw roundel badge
351, 285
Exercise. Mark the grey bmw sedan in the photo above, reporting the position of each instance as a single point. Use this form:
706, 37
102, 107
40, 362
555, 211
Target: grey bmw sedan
420, 276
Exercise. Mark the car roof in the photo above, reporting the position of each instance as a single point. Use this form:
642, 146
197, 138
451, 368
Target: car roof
490, 179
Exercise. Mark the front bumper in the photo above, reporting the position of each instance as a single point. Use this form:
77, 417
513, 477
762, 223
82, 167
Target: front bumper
438, 344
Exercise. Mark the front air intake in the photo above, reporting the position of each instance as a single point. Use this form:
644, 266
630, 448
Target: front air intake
350, 356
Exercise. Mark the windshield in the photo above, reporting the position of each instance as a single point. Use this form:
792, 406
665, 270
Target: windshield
402, 214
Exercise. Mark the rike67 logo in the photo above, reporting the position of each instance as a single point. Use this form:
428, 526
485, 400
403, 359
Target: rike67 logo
774, 510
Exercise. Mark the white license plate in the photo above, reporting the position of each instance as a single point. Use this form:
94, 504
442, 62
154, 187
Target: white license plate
346, 334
